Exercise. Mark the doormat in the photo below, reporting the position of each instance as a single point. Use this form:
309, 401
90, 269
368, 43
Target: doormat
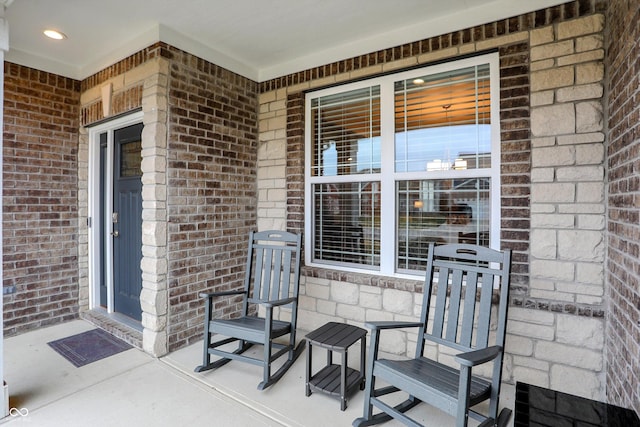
88, 347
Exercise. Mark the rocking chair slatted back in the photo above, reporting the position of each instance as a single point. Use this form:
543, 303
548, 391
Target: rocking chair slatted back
270, 270
457, 317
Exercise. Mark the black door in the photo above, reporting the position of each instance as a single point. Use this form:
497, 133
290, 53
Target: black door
127, 221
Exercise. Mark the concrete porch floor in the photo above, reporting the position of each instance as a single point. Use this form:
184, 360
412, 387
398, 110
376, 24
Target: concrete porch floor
133, 388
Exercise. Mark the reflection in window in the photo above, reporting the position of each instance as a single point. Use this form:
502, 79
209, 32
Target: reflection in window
342, 126
130, 159
440, 211
347, 228
443, 119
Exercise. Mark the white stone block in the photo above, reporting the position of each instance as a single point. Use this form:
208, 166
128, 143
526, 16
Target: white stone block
590, 273
553, 193
589, 72
581, 245
536, 317
553, 270
591, 222
306, 303
589, 117
581, 288
541, 35
530, 330
531, 362
580, 173
581, 138
552, 50
351, 312
543, 244
553, 156
580, 331
531, 376
542, 98
343, 292
153, 322
543, 174
579, 93
368, 300
589, 154
397, 301
569, 355
154, 343
555, 119
556, 295
580, 27
554, 221
318, 289
579, 382
393, 341
378, 315
590, 42
552, 78
326, 307
520, 345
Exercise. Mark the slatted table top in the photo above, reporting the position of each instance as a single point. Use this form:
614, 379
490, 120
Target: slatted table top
336, 336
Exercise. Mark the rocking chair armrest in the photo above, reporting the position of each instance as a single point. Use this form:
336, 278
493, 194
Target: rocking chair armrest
379, 325
478, 357
279, 302
220, 294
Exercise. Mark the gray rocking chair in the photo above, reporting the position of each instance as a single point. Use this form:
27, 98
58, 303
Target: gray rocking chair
466, 278
272, 280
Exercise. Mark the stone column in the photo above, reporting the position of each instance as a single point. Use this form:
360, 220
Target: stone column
154, 296
567, 212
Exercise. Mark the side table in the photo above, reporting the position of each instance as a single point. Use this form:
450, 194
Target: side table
336, 380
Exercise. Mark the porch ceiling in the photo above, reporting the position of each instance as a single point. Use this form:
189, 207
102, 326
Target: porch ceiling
258, 39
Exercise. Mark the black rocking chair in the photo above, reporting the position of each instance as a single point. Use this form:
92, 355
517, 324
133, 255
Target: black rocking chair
271, 281
468, 280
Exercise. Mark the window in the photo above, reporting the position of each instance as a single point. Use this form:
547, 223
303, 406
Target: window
397, 162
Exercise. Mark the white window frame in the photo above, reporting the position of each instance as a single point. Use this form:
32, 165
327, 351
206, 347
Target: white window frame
388, 176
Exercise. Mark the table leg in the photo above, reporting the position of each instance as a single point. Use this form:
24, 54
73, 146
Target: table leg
343, 381
363, 355
308, 370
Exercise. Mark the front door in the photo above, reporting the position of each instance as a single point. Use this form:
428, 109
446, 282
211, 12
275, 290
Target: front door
127, 221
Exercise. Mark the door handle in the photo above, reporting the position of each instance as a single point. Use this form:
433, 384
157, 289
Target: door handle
115, 233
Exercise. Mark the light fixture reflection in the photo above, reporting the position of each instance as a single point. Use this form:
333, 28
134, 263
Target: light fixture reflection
53, 34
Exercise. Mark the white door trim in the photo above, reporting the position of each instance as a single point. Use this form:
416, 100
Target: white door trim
94, 196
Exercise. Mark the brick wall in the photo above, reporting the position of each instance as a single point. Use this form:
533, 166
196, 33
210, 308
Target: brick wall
543, 347
40, 215
211, 177
623, 222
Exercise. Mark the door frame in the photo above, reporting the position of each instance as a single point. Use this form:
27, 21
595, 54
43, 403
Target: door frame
94, 196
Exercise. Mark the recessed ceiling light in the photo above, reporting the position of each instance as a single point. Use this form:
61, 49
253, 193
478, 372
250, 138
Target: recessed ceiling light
53, 34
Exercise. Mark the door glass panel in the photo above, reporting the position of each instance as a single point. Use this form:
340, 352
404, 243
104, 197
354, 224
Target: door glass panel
130, 159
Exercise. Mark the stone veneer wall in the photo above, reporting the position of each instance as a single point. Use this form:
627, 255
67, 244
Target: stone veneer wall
551, 67
623, 156
40, 215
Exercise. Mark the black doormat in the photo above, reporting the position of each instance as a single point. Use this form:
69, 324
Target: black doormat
88, 347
